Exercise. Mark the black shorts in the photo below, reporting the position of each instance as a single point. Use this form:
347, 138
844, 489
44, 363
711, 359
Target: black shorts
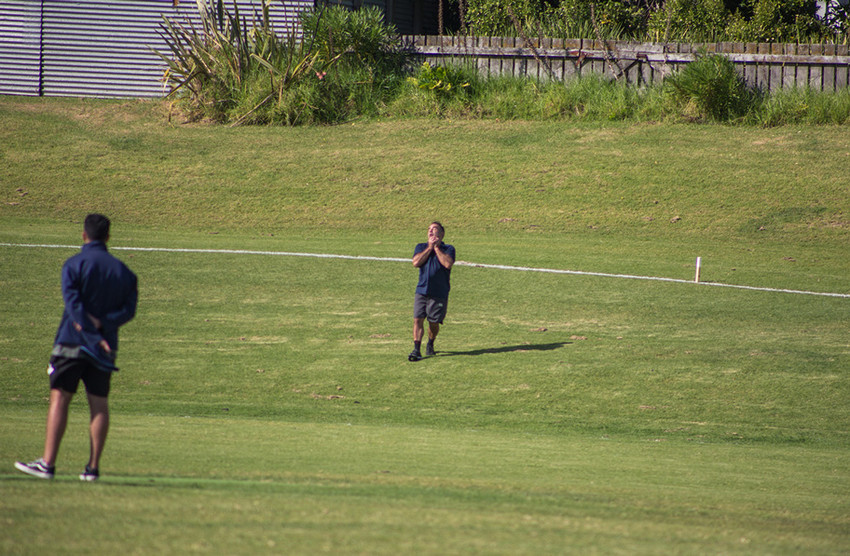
66, 373
434, 308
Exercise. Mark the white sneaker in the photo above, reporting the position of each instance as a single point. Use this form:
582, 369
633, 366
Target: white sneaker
36, 468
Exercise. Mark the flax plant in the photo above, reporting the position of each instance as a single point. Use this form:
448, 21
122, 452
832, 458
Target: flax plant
212, 70
236, 72
207, 66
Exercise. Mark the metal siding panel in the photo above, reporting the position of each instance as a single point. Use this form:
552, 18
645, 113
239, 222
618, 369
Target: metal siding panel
430, 16
403, 17
101, 48
20, 47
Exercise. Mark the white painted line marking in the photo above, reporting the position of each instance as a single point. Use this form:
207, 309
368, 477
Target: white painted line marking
460, 263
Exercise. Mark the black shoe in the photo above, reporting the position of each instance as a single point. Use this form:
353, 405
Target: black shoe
36, 468
89, 474
429, 350
414, 355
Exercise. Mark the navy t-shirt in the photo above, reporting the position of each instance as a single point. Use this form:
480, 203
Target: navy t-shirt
434, 277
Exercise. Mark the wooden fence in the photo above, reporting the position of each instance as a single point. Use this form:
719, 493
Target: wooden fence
768, 66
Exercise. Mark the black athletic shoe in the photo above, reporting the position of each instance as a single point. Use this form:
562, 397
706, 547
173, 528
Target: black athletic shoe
414, 355
36, 468
429, 350
89, 474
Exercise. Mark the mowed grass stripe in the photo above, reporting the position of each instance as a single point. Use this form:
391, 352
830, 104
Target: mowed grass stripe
447, 490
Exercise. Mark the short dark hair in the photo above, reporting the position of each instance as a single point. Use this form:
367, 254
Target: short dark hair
442, 229
96, 227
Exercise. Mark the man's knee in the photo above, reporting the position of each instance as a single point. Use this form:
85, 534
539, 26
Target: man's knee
98, 404
61, 397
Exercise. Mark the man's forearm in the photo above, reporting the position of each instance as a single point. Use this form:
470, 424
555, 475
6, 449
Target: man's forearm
420, 258
444, 258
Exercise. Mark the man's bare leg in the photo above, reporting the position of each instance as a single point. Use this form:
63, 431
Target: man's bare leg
98, 428
57, 420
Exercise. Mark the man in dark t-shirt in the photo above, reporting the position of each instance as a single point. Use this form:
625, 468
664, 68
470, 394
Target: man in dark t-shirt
434, 259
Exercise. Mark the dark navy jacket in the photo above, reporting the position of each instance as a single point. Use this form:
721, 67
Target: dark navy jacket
433, 276
94, 282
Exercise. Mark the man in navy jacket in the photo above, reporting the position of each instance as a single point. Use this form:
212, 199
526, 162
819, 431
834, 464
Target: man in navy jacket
100, 295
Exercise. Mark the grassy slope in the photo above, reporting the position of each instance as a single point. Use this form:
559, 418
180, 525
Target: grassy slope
269, 396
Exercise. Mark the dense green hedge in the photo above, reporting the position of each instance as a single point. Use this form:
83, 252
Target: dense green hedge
660, 20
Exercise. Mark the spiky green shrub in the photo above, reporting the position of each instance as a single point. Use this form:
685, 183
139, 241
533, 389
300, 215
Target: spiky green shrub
343, 64
709, 88
207, 65
361, 38
230, 70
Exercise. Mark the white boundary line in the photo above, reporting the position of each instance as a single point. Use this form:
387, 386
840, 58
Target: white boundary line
460, 263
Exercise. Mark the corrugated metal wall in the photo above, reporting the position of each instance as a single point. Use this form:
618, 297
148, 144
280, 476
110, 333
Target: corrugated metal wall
400, 12
98, 48
20, 47
101, 48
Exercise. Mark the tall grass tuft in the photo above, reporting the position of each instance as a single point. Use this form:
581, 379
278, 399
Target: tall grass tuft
803, 106
592, 97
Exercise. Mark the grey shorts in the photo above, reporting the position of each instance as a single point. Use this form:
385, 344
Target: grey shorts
432, 308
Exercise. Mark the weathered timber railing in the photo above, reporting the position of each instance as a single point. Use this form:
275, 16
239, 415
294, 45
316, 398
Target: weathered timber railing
768, 66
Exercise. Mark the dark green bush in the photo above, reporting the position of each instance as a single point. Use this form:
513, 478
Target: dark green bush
783, 21
361, 38
710, 89
662, 20
497, 18
699, 21
606, 18
371, 60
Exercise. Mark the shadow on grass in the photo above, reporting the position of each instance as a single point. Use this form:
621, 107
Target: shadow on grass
505, 349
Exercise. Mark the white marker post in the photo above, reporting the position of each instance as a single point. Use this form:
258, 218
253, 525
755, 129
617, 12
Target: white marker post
699, 262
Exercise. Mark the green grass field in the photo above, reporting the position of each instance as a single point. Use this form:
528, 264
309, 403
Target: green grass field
265, 403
